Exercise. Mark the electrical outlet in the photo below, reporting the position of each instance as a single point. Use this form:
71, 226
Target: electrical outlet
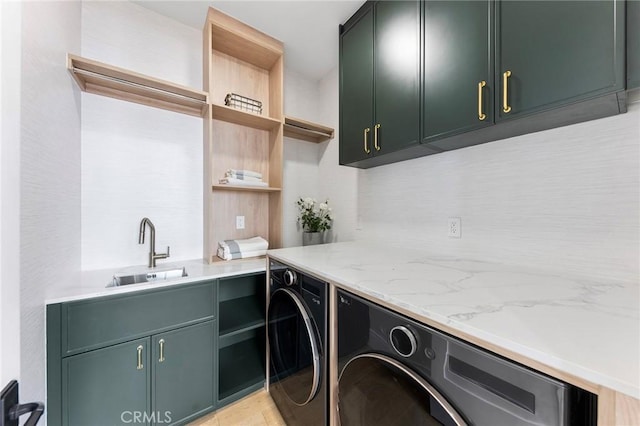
239, 222
455, 227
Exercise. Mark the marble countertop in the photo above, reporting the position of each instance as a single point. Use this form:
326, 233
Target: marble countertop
93, 283
589, 329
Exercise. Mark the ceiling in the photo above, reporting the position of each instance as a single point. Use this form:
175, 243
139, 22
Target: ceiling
308, 28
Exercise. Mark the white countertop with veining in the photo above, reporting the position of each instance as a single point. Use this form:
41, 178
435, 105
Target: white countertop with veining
589, 329
93, 283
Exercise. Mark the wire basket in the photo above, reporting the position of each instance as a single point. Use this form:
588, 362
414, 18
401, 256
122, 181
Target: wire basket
234, 100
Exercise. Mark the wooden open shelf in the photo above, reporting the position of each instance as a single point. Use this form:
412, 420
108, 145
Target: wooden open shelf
306, 130
236, 116
224, 187
240, 59
119, 83
241, 41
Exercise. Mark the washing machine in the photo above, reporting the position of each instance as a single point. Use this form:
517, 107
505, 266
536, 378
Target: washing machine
298, 345
396, 371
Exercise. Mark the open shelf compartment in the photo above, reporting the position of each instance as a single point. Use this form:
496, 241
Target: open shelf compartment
119, 83
242, 364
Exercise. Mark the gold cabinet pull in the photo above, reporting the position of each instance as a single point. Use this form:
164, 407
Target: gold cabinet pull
375, 137
140, 366
481, 115
161, 343
505, 91
366, 147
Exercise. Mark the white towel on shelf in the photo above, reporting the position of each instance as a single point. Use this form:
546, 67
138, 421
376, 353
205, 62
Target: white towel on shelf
242, 255
245, 173
241, 247
241, 182
242, 177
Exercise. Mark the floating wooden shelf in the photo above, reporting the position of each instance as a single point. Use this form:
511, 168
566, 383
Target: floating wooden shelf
306, 130
237, 116
119, 83
225, 187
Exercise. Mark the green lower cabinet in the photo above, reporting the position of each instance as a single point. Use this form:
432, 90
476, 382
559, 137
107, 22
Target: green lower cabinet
633, 44
183, 385
107, 386
152, 357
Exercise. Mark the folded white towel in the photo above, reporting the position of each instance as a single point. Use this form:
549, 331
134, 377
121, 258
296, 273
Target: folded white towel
241, 182
242, 177
230, 247
245, 173
243, 255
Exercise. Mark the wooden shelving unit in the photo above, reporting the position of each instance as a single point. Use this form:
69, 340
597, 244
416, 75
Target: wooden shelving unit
239, 59
119, 83
307, 131
223, 187
243, 118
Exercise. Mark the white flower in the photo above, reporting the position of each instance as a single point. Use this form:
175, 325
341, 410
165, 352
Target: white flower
323, 206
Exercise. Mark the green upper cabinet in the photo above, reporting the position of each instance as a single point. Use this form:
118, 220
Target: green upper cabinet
379, 80
457, 67
183, 379
553, 53
356, 89
397, 76
633, 44
107, 386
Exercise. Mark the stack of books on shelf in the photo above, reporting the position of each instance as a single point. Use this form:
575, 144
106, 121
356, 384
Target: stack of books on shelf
243, 178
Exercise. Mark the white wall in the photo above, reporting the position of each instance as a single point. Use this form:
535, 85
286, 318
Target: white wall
10, 44
339, 183
49, 174
567, 198
300, 168
139, 161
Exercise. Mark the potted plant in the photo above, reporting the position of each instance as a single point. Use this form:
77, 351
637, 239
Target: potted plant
315, 220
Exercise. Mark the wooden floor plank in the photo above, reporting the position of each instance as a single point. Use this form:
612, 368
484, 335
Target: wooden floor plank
257, 409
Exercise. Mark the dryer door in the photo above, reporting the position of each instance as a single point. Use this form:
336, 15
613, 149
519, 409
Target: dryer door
377, 389
293, 347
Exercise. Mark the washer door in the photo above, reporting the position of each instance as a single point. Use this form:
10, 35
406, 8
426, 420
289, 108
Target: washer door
377, 389
293, 345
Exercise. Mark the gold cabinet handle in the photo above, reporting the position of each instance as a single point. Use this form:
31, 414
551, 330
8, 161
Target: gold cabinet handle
366, 147
375, 137
481, 115
140, 366
505, 91
161, 343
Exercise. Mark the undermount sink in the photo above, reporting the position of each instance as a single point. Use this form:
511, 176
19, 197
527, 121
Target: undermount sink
147, 276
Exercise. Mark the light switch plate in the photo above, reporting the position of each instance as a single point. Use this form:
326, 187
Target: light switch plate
239, 222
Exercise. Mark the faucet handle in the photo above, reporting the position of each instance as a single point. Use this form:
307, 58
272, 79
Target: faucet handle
168, 252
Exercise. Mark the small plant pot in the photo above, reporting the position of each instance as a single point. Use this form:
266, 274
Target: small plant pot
312, 238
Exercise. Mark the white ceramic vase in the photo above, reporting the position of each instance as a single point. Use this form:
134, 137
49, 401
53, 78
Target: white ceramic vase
312, 238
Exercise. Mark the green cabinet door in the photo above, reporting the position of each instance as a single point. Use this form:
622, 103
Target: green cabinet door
633, 44
397, 76
557, 52
356, 89
183, 362
108, 386
457, 67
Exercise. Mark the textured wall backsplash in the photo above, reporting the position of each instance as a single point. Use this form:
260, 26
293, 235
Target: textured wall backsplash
567, 198
139, 161
49, 175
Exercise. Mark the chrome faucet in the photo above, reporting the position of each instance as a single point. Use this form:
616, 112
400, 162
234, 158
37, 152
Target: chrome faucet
152, 250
